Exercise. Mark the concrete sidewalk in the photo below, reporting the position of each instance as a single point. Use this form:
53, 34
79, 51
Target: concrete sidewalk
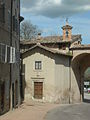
29, 111
70, 112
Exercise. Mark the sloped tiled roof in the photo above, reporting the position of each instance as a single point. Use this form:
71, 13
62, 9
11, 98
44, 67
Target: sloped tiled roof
81, 46
47, 49
67, 27
50, 39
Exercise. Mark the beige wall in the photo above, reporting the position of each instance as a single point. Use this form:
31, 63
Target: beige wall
75, 82
54, 75
46, 75
62, 79
79, 64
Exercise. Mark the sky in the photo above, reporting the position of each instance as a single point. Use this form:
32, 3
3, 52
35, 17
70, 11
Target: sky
50, 16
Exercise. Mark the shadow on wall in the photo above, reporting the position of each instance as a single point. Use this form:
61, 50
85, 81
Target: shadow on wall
79, 64
62, 60
77, 73
22, 82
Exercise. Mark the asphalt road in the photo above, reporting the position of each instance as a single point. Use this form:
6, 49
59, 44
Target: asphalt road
70, 112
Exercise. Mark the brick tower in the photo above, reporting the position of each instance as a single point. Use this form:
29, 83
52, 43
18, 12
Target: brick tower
67, 31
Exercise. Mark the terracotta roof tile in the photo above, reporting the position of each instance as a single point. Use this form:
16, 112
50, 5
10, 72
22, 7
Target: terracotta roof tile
50, 39
67, 27
81, 46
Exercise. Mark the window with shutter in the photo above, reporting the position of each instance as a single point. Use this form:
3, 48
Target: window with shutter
2, 13
3, 52
8, 54
17, 56
9, 19
13, 23
0, 53
12, 55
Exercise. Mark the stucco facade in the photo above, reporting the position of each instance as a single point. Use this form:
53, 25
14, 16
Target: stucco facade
54, 66
63, 76
79, 63
62, 79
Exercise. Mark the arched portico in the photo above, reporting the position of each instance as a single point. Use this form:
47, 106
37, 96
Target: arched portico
80, 62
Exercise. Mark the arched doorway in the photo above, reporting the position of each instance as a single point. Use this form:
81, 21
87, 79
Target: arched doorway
79, 65
87, 85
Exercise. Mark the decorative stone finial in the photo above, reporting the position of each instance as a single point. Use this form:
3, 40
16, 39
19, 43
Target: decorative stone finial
39, 35
66, 21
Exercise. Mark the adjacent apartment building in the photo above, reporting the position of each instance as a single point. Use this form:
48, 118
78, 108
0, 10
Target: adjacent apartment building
9, 54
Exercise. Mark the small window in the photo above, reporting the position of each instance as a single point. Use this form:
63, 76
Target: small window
14, 23
8, 54
9, 19
38, 65
2, 13
67, 33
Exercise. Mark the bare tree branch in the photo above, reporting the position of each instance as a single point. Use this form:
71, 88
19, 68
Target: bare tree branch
28, 30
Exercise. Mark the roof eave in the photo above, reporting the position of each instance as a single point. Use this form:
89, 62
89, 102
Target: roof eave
42, 47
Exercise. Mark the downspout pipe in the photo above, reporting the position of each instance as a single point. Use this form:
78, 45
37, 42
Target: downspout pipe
21, 18
69, 80
70, 60
10, 63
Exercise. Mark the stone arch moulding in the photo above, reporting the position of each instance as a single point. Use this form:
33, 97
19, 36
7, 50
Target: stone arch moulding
79, 64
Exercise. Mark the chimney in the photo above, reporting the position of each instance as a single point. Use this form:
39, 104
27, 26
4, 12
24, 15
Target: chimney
39, 35
67, 31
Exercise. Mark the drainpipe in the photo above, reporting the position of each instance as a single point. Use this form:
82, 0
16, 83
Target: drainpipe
19, 99
11, 63
80, 84
70, 77
19, 95
69, 80
20, 62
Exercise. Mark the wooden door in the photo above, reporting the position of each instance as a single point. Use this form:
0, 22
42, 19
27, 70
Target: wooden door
38, 90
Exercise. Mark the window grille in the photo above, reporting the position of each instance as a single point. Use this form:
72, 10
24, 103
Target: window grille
38, 65
12, 55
